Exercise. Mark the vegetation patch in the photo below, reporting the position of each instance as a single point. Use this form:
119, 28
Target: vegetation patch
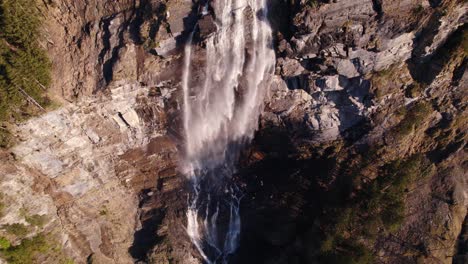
36, 220
5, 136
150, 44
103, 211
418, 10
42, 248
26, 252
313, 3
388, 81
414, 90
16, 229
378, 208
4, 243
24, 66
413, 118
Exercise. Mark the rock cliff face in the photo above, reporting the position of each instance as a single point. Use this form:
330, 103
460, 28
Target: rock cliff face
348, 69
361, 90
100, 171
94, 43
87, 163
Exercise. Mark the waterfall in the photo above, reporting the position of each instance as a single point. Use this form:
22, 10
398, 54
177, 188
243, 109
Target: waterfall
222, 102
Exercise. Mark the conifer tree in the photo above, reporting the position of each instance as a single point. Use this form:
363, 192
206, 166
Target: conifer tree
24, 66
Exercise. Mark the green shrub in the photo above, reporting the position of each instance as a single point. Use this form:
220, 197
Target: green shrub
36, 220
386, 81
397, 178
327, 245
313, 3
392, 215
418, 10
351, 252
20, 21
414, 90
414, 118
373, 225
4, 243
361, 254
150, 44
344, 221
378, 206
5, 136
25, 252
42, 248
17, 229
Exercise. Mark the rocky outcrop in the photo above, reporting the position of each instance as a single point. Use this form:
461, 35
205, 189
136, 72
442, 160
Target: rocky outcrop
92, 44
347, 70
87, 163
83, 40
337, 47
102, 167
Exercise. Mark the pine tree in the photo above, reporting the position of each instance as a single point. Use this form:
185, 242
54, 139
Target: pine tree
24, 66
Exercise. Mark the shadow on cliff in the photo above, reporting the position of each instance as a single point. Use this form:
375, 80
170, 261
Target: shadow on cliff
146, 238
190, 22
286, 193
425, 69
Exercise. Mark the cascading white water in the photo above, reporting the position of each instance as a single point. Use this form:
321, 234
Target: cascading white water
220, 116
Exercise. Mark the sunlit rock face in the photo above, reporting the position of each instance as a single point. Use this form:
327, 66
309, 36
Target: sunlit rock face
102, 166
92, 43
331, 50
89, 159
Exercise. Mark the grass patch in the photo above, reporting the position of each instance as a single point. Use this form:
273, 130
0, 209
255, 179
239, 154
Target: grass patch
414, 90
387, 81
4, 243
413, 118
